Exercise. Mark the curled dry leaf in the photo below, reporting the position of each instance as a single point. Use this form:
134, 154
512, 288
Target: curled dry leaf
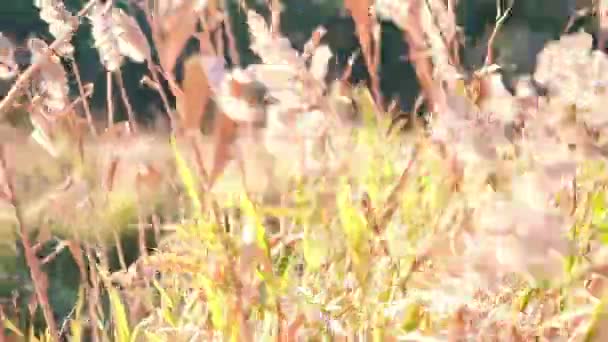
117, 35
51, 82
177, 24
131, 40
105, 42
61, 23
318, 65
8, 65
272, 50
242, 97
42, 134
313, 43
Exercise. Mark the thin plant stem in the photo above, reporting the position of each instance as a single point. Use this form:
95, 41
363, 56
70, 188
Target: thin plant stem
93, 294
163, 96
125, 99
39, 279
85, 102
110, 103
119, 250
154, 72
141, 230
499, 22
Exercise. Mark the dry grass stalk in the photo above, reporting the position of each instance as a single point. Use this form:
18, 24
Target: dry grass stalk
125, 99
39, 279
366, 26
84, 96
414, 35
499, 22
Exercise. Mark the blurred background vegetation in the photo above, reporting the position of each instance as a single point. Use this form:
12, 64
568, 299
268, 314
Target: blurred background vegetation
532, 23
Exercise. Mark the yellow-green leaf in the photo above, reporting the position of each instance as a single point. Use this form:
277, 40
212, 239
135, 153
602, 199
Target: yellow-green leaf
8, 324
187, 178
119, 315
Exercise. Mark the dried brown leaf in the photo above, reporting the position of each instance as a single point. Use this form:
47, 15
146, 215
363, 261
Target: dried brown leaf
105, 42
272, 50
117, 35
177, 26
360, 11
61, 22
51, 82
131, 40
224, 135
196, 93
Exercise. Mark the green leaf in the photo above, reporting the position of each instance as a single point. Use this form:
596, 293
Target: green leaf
412, 317
314, 253
260, 231
187, 179
119, 314
8, 324
76, 326
167, 304
354, 225
215, 301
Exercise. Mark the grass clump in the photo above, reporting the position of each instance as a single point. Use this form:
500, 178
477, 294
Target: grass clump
306, 216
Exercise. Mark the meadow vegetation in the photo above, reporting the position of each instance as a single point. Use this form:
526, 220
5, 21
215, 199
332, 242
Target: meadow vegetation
313, 210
